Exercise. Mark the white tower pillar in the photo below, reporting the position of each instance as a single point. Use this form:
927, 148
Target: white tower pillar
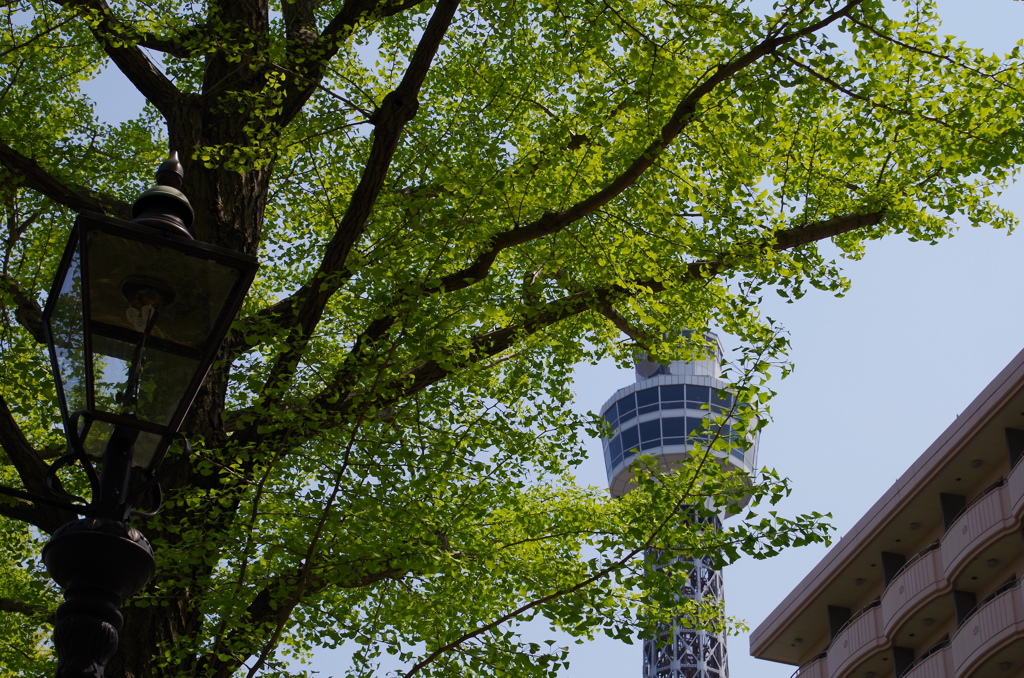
661, 415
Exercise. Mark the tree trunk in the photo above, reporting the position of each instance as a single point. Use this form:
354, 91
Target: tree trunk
229, 211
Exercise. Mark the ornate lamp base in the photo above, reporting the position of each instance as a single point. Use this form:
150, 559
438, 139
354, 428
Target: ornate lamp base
98, 563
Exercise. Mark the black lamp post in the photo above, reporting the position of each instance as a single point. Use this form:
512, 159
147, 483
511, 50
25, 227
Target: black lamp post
136, 315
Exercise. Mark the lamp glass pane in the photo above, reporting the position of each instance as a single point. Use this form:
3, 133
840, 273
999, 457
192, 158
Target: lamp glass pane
94, 442
200, 289
68, 338
162, 380
153, 309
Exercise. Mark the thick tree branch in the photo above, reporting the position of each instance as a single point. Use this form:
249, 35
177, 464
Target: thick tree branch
23, 456
300, 21
130, 60
26, 309
21, 607
389, 120
684, 114
874, 102
270, 607
176, 46
550, 222
26, 512
335, 400
310, 54
819, 230
33, 472
495, 342
78, 199
634, 333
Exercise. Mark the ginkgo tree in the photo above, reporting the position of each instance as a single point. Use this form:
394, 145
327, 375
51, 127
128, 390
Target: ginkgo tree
454, 203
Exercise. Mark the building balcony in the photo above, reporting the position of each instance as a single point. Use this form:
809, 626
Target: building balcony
1015, 486
921, 579
930, 573
995, 624
861, 637
816, 668
987, 517
936, 665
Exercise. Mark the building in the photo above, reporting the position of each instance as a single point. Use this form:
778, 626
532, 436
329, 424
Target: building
926, 584
662, 414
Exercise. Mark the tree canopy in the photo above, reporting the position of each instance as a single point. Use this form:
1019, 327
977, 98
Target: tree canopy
454, 203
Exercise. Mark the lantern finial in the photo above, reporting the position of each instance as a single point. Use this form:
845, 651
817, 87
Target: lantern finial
164, 206
170, 173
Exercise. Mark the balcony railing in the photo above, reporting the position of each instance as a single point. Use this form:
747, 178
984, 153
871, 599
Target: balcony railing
857, 615
993, 623
857, 638
815, 667
913, 559
917, 581
935, 649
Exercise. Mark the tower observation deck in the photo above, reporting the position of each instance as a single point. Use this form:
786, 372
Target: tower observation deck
662, 415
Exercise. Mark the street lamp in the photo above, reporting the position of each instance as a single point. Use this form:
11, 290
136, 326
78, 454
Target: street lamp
136, 315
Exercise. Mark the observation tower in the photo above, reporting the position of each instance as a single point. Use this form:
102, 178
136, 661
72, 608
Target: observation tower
662, 415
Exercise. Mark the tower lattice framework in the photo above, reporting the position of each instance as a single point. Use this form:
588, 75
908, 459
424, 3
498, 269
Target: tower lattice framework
680, 652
